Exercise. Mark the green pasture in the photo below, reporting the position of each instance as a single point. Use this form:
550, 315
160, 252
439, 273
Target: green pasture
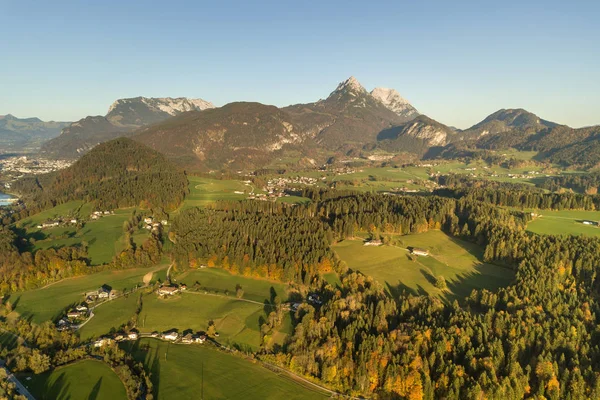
216, 279
564, 222
457, 261
89, 379
189, 371
49, 302
110, 315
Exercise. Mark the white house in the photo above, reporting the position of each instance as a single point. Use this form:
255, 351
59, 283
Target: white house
171, 336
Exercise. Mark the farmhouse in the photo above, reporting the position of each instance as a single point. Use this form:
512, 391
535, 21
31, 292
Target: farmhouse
103, 293
102, 342
589, 223
132, 335
373, 243
189, 338
74, 314
200, 339
170, 336
167, 290
419, 251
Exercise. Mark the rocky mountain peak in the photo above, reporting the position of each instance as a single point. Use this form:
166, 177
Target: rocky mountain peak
350, 85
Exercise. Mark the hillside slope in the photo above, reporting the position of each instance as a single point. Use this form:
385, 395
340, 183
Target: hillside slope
118, 173
237, 135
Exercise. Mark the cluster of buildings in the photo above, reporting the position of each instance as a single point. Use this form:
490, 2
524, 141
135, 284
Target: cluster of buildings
277, 187
100, 214
73, 318
154, 225
103, 293
58, 222
17, 167
132, 335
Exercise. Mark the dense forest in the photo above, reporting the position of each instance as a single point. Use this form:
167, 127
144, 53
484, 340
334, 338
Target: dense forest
115, 174
537, 338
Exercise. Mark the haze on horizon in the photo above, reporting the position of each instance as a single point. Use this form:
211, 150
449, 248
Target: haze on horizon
455, 62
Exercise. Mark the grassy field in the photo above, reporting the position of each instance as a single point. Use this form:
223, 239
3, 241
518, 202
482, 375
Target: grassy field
89, 379
221, 280
204, 191
48, 303
187, 371
458, 262
103, 237
110, 315
237, 322
566, 222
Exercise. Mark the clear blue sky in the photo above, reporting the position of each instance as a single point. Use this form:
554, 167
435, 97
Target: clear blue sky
456, 61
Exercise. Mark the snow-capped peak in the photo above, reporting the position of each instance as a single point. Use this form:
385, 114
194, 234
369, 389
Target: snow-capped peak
394, 102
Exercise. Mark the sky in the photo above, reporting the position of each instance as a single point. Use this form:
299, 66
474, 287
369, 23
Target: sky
455, 61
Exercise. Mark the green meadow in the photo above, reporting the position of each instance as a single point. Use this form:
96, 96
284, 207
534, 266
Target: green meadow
216, 279
49, 302
110, 315
189, 371
89, 379
103, 237
457, 261
238, 322
205, 191
565, 222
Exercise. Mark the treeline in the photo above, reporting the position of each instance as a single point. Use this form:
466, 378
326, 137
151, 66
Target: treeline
24, 271
525, 198
537, 338
582, 183
115, 174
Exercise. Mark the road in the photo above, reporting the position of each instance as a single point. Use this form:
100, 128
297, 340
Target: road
11, 378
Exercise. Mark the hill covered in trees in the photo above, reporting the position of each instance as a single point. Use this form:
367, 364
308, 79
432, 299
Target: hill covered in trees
118, 173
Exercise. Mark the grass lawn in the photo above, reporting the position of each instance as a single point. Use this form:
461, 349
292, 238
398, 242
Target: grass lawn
88, 379
566, 222
457, 261
48, 303
237, 322
221, 280
186, 371
110, 315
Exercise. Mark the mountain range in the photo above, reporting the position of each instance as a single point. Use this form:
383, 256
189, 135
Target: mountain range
349, 122
123, 117
26, 134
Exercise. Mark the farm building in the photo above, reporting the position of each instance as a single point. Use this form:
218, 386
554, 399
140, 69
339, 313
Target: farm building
373, 243
168, 290
419, 252
170, 336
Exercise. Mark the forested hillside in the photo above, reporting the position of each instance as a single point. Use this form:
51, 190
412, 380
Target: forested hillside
119, 173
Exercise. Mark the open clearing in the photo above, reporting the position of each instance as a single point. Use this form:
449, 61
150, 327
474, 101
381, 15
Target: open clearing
457, 261
89, 379
49, 302
238, 322
204, 191
215, 279
182, 369
110, 315
104, 237
566, 222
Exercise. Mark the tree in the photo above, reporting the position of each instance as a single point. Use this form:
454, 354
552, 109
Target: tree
239, 292
440, 282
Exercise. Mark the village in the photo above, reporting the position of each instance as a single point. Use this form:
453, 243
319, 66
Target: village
17, 167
